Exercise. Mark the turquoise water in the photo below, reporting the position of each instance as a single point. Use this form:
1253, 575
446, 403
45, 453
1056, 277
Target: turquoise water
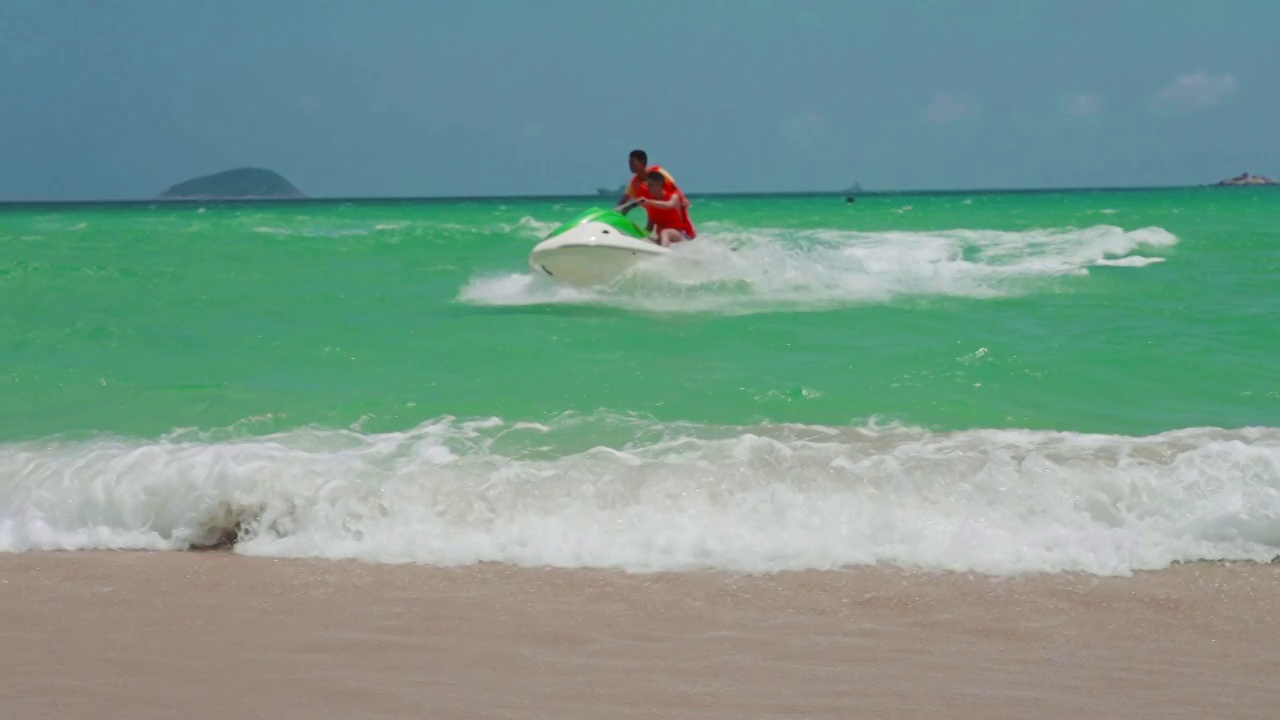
809, 384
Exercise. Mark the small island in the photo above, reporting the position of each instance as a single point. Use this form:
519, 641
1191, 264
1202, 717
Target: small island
1248, 179
247, 183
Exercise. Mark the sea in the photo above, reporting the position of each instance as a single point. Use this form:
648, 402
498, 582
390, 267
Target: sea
999, 383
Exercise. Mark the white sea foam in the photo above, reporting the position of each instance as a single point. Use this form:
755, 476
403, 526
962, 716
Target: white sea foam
614, 492
736, 270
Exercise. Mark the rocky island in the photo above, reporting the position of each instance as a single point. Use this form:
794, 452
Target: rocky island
246, 183
1247, 179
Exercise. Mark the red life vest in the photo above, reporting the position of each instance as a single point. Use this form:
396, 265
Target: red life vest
638, 188
676, 218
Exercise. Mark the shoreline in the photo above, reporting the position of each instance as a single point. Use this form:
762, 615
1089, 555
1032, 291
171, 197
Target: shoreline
210, 633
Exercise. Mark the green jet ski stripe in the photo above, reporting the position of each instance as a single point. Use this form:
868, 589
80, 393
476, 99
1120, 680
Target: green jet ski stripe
612, 218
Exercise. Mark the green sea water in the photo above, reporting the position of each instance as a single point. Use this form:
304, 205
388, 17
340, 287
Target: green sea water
945, 311
1004, 382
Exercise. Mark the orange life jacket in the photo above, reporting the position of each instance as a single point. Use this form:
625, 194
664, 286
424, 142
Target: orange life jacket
638, 188
676, 218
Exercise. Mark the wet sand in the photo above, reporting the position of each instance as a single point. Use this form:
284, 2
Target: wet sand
216, 635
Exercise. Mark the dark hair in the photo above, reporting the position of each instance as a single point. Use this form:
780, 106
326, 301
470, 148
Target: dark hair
640, 155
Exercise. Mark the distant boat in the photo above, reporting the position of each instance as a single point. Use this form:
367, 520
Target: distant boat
606, 192
1248, 179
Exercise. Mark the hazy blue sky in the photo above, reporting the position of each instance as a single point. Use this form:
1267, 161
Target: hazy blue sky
121, 98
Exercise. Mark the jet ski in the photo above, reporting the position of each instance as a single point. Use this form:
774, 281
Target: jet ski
593, 248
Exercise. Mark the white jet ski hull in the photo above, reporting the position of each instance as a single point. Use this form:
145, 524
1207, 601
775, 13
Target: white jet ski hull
594, 249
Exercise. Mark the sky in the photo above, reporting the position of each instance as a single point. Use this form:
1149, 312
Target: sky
363, 98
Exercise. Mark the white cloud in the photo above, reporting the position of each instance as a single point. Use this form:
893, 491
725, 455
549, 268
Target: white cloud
949, 107
1080, 104
1196, 90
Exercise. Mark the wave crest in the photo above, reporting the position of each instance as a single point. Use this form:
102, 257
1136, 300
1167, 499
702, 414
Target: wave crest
620, 492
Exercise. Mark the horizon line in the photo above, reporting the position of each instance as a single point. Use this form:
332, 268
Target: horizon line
721, 194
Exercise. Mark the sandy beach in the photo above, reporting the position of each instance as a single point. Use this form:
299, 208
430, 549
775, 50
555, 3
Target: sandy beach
216, 635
